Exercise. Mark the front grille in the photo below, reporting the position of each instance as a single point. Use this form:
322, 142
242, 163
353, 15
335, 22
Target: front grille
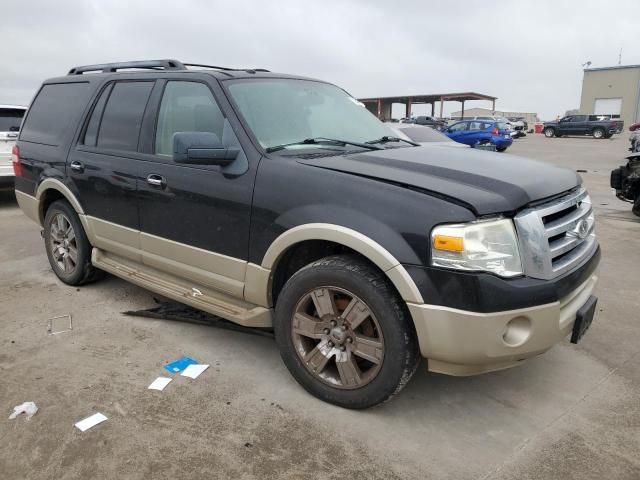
557, 236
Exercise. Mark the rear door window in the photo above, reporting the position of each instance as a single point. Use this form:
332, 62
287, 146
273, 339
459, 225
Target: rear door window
10, 119
55, 112
122, 117
476, 126
91, 133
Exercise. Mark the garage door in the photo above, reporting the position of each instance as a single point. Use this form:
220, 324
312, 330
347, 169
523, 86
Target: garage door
607, 106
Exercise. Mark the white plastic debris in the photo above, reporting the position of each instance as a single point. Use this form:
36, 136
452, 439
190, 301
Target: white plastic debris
194, 370
91, 421
28, 408
159, 383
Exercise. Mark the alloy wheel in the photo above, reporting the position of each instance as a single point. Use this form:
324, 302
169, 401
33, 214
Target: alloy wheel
62, 242
337, 337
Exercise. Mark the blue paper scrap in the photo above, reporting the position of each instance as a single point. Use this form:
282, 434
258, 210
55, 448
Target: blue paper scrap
179, 365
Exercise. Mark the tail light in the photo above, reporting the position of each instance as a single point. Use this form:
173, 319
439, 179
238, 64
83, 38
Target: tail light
494, 131
15, 159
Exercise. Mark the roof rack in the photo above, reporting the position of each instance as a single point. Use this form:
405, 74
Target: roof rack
226, 69
166, 64
114, 67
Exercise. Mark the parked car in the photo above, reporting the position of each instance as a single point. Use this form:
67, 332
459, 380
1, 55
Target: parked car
596, 125
10, 119
519, 125
479, 132
425, 120
625, 180
634, 139
280, 202
426, 135
516, 129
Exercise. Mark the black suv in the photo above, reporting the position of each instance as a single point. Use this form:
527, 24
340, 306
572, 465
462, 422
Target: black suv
278, 201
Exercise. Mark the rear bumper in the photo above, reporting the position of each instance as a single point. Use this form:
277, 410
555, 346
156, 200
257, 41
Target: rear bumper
501, 142
6, 171
460, 342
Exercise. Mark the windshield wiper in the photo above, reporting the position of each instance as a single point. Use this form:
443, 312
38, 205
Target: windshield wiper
387, 139
321, 141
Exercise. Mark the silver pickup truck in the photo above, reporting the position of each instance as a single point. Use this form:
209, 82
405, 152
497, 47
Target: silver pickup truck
10, 120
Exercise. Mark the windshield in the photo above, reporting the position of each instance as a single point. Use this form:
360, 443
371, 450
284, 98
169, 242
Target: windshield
424, 134
10, 119
284, 111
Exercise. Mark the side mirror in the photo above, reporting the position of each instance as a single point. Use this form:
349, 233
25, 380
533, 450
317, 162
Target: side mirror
201, 148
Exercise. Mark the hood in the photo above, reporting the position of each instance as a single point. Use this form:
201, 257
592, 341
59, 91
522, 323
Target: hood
486, 182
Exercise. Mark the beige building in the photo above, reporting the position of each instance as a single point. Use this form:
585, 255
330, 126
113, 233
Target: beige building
612, 91
529, 117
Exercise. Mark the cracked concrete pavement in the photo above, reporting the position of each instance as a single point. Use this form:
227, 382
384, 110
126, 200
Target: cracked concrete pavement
572, 413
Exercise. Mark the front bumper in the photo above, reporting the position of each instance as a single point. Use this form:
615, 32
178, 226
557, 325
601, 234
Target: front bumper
460, 342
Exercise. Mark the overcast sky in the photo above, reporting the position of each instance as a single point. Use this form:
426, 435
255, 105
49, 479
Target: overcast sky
529, 54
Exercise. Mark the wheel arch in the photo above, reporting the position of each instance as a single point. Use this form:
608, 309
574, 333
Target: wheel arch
260, 278
50, 190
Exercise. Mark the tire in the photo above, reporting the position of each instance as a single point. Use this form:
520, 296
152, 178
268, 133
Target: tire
67, 246
501, 149
384, 331
636, 206
598, 133
615, 179
549, 132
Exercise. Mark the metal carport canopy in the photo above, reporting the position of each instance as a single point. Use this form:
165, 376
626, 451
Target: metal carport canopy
409, 100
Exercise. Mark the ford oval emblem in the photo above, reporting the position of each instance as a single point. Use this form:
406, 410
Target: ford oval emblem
582, 229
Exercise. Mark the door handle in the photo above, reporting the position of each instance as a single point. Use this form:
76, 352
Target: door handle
156, 180
77, 166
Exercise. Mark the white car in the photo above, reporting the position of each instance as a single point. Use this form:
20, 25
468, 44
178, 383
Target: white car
425, 135
10, 120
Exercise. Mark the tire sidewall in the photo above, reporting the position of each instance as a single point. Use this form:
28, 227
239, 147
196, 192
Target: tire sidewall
82, 243
549, 132
598, 133
392, 321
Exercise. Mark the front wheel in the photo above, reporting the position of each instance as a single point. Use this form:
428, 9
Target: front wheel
549, 132
344, 333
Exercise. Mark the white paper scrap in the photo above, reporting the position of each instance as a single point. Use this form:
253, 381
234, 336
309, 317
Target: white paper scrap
194, 370
91, 421
159, 383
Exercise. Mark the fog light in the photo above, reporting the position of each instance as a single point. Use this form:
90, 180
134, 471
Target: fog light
517, 331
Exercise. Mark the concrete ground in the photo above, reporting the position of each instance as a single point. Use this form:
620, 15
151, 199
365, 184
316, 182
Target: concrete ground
572, 413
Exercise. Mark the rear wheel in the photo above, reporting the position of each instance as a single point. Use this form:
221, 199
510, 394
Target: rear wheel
67, 246
549, 132
501, 149
344, 333
598, 133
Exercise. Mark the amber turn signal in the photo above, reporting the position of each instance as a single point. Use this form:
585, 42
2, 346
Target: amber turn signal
448, 243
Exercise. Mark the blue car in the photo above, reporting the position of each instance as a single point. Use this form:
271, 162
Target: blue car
480, 132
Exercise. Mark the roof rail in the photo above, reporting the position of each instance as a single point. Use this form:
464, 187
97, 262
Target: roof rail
166, 64
226, 69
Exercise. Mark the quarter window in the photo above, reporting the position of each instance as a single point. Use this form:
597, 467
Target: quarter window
186, 107
122, 118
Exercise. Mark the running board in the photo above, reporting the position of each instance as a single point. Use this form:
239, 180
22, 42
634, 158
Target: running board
181, 290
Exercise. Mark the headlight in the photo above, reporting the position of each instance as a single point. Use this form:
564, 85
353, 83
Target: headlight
490, 246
